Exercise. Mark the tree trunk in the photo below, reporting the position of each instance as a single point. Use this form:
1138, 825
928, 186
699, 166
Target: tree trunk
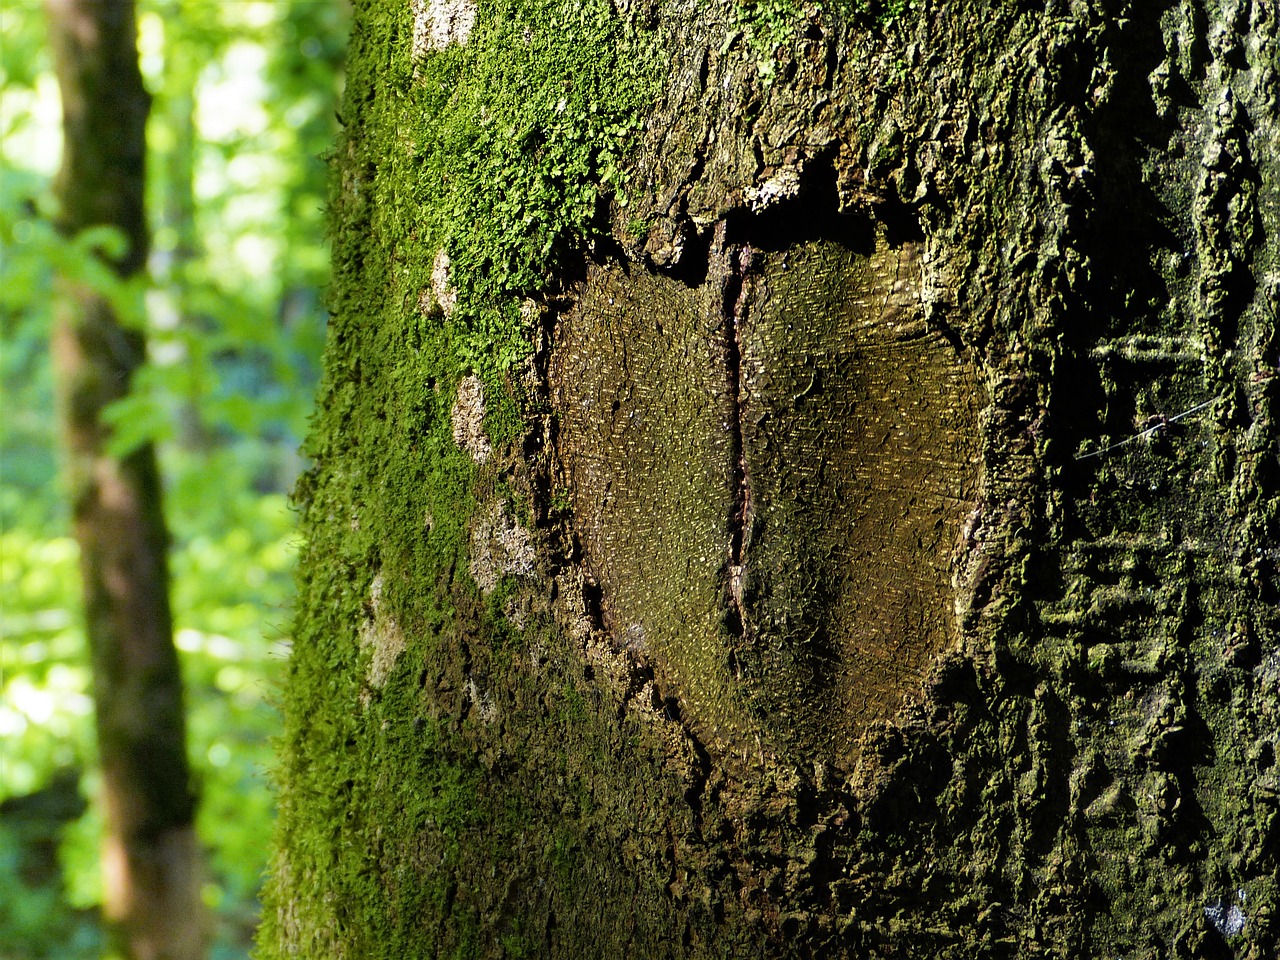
150, 857
793, 484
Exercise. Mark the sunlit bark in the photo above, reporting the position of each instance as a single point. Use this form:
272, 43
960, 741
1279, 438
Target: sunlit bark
881, 560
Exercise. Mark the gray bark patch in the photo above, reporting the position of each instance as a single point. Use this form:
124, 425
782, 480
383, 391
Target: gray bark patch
380, 635
439, 23
468, 419
499, 547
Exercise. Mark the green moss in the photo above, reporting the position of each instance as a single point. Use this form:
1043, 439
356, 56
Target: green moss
518, 143
505, 153
770, 24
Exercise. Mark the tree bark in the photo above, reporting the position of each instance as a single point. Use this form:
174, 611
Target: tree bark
151, 859
874, 551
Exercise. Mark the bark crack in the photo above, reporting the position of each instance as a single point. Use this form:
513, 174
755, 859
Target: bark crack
731, 268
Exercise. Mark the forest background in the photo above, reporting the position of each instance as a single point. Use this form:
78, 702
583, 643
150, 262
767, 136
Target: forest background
244, 97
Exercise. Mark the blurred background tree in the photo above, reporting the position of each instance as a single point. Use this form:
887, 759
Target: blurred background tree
244, 96
151, 858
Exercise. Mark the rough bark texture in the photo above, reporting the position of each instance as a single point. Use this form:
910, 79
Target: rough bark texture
150, 858
874, 553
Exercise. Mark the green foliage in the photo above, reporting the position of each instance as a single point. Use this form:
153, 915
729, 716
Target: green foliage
35, 920
232, 571
243, 107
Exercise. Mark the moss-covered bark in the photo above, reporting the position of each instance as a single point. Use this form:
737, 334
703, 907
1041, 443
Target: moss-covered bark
805, 500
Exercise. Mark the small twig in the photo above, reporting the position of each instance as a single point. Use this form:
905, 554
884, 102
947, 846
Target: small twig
1164, 422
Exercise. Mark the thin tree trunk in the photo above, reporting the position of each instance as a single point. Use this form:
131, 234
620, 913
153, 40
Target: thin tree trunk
151, 859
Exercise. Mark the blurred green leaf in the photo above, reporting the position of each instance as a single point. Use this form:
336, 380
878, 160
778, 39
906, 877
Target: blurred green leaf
135, 420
